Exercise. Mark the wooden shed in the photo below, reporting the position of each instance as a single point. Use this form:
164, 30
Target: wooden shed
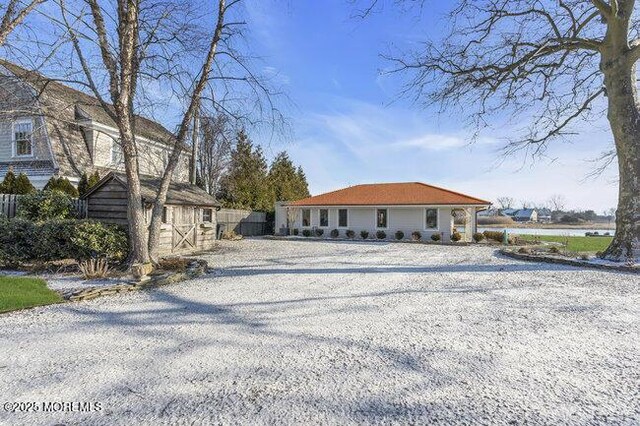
189, 217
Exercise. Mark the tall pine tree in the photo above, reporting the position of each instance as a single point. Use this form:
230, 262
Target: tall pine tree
287, 182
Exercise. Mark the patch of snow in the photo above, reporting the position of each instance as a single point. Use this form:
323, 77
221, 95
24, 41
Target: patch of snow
339, 333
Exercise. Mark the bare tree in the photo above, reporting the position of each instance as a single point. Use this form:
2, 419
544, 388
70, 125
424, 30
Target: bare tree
13, 14
216, 140
553, 61
506, 202
557, 202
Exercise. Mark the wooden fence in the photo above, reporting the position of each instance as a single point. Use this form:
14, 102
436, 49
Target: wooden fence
9, 205
243, 222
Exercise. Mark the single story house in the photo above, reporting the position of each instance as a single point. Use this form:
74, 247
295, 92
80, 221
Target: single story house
189, 216
391, 207
522, 215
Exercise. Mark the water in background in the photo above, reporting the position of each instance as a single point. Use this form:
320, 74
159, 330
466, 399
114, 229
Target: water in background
549, 231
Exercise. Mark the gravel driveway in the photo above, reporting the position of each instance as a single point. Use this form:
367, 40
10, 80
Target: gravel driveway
338, 333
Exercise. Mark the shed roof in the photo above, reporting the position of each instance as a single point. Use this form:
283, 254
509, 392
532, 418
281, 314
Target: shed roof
180, 193
389, 194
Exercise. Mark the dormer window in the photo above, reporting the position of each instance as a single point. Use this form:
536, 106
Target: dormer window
23, 138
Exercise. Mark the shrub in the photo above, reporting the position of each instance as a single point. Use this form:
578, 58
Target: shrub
61, 184
94, 268
554, 249
87, 182
306, 232
364, 234
23, 185
22, 241
46, 205
399, 235
381, 235
319, 232
524, 250
8, 184
416, 236
435, 237
335, 233
494, 235
295, 231
478, 236
178, 264
349, 233
16, 241
455, 237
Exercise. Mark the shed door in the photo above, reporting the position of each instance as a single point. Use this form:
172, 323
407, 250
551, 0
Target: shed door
184, 228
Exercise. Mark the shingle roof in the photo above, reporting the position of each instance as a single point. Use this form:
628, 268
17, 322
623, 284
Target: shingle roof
31, 168
389, 194
180, 193
84, 105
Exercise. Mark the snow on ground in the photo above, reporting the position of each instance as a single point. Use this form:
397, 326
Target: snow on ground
339, 333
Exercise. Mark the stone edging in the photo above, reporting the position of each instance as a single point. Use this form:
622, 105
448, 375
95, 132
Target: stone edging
196, 268
360, 240
570, 262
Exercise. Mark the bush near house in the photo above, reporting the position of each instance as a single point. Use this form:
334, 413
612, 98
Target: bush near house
416, 236
381, 235
350, 234
61, 184
494, 235
319, 232
478, 236
23, 241
12, 185
295, 231
435, 237
399, 235
364, 234
335, 233
41, 206
456, 236
306, 232
87, 182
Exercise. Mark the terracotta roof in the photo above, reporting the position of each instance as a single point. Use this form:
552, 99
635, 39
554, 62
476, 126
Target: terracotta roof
390, 194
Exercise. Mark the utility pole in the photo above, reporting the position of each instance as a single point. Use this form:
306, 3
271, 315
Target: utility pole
193, 173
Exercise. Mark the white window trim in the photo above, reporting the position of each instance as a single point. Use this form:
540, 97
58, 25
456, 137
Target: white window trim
338, 214
424, 218
328, 218
375, 217
14, 144
302, 225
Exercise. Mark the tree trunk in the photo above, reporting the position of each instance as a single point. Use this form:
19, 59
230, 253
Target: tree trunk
624, 118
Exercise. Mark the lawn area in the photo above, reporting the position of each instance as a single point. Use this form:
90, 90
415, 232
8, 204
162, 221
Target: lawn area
577, 244
19, 293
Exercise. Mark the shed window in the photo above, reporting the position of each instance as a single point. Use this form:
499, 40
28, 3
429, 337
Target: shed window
23, 138
343, 218
165, 215
306, 217
207, 215
381, 218
431, 218
324, 217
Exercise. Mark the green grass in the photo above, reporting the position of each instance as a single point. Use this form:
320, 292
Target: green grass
576, 244
20, 292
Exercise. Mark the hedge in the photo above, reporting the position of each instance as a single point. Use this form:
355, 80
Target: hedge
22, 241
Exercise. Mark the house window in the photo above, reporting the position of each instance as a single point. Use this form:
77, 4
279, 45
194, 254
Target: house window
324, 217
306, 217
116, 153
431, 218
381, 218
165, 215
207, 215
343, 218
23, 138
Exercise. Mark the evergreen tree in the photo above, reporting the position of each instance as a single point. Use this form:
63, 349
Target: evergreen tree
61, 184
8, 185
245, 184
93, 180
23, 185
283, 179
83, 185
302, 189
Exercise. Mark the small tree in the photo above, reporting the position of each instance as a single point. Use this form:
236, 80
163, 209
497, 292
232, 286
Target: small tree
23, 185
93, 180
8, 185
61, 184
42, 206
83, 184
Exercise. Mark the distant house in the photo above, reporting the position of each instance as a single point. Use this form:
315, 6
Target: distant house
50, 129
544, 215
521, 215
491, 212
388, 207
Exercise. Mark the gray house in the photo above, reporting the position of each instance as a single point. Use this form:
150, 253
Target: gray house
50, 129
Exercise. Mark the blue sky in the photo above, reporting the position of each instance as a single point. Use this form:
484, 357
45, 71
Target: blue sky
349, 127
